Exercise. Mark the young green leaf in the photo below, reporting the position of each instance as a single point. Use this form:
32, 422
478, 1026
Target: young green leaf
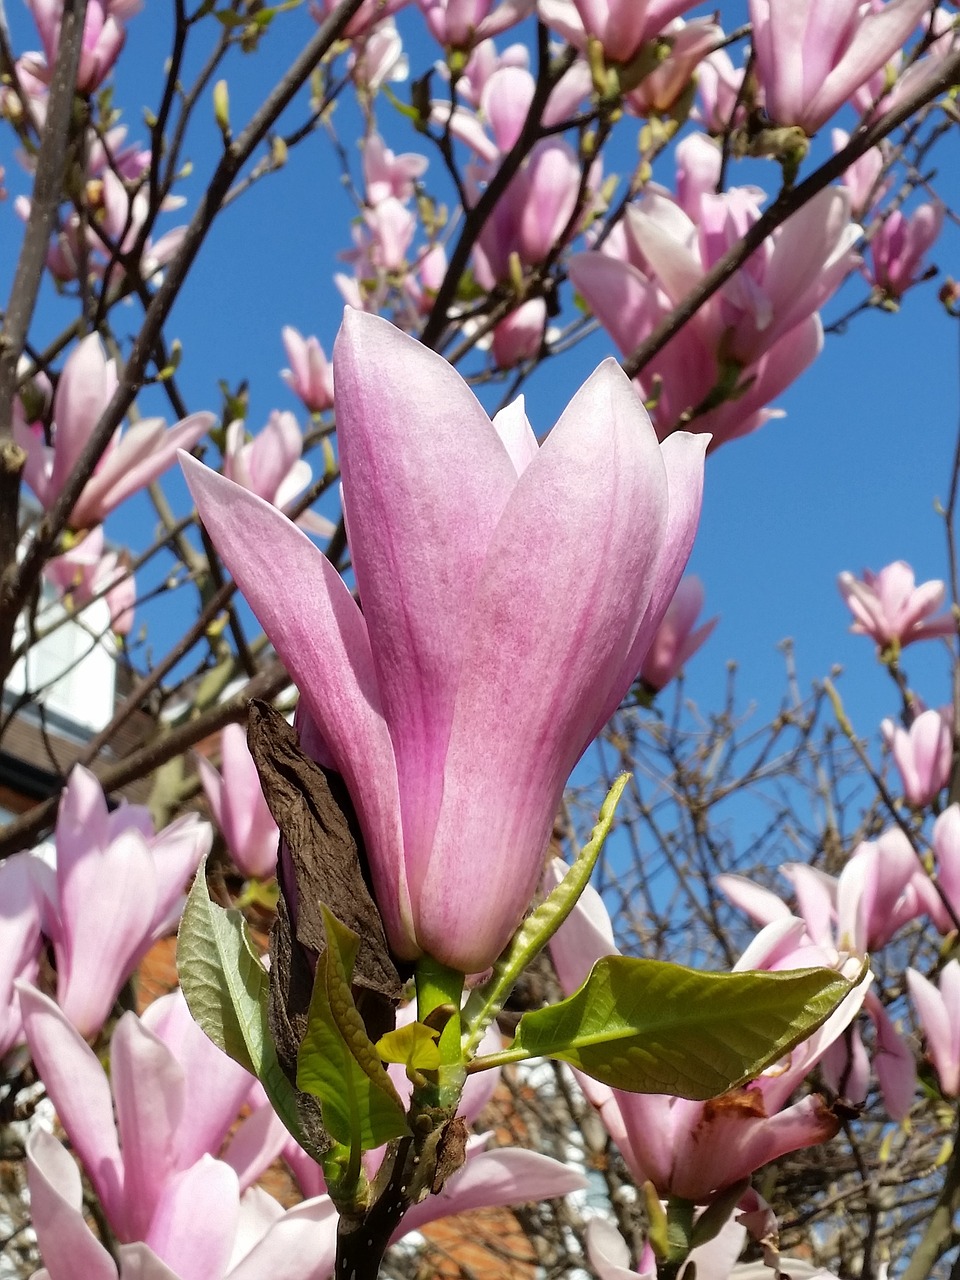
226, 988
337, 1062
413, 1045
652, 1027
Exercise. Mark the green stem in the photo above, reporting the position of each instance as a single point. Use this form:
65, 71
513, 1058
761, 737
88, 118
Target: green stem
939, 1234
439, 992
501, 1059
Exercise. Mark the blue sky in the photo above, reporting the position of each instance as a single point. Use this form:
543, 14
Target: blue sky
846, 480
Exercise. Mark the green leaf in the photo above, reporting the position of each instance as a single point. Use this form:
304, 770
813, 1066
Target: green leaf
652, 1027
415, 1046
338, 1063
226, 988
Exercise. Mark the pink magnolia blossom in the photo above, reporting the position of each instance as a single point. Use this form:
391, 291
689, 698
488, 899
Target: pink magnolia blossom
509, 595
131, 460
86, 571
864, 178
718, 85
270, 466
755, 335
893, 80
111, 866
533, 215
882, 888
484, 60
462, 24
369, 16
610, 1257
898, 248
690, 43
237, 803
103, 36
810, 58
310, 375
946, 846
202, 1229
620, 26
939, 1014
922, 753
386, 174
676, 640
20, 915
891, 608
378, 56
174, 1099
696, 1149
519, 336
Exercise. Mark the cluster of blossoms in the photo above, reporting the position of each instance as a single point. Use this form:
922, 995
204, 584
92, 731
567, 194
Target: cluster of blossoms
175, 1174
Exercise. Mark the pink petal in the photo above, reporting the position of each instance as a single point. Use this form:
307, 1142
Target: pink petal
76, 1084
148, 1089
424, 502
195, 1221
67, 1245
489, 1179
324, 645
579, 538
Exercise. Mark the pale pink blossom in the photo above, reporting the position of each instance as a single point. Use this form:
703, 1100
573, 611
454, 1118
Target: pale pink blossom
462, 24
20, 917
103, 37
87, 571
864, 178
237, 803
946, 846
310, 376
270, 466
377, 57
519, 336
111, 866
691, 1149
369, 16
939, 1012
754, 336
810, 57
676, 640
898, 248
386, 174
690, 43
620, 26
923, 753
889, 607
718, 90
175, 1097
132, 458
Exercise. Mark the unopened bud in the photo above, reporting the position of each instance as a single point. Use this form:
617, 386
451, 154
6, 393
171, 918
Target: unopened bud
221, 107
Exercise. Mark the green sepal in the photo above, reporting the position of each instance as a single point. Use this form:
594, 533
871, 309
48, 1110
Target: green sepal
337, 1062
226, 989
652, 1027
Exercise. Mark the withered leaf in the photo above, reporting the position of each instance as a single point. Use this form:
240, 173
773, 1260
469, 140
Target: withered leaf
291, 983
451, 1152
317, 823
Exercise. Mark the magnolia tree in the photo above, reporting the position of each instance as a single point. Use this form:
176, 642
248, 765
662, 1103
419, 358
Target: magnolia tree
724, 1045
